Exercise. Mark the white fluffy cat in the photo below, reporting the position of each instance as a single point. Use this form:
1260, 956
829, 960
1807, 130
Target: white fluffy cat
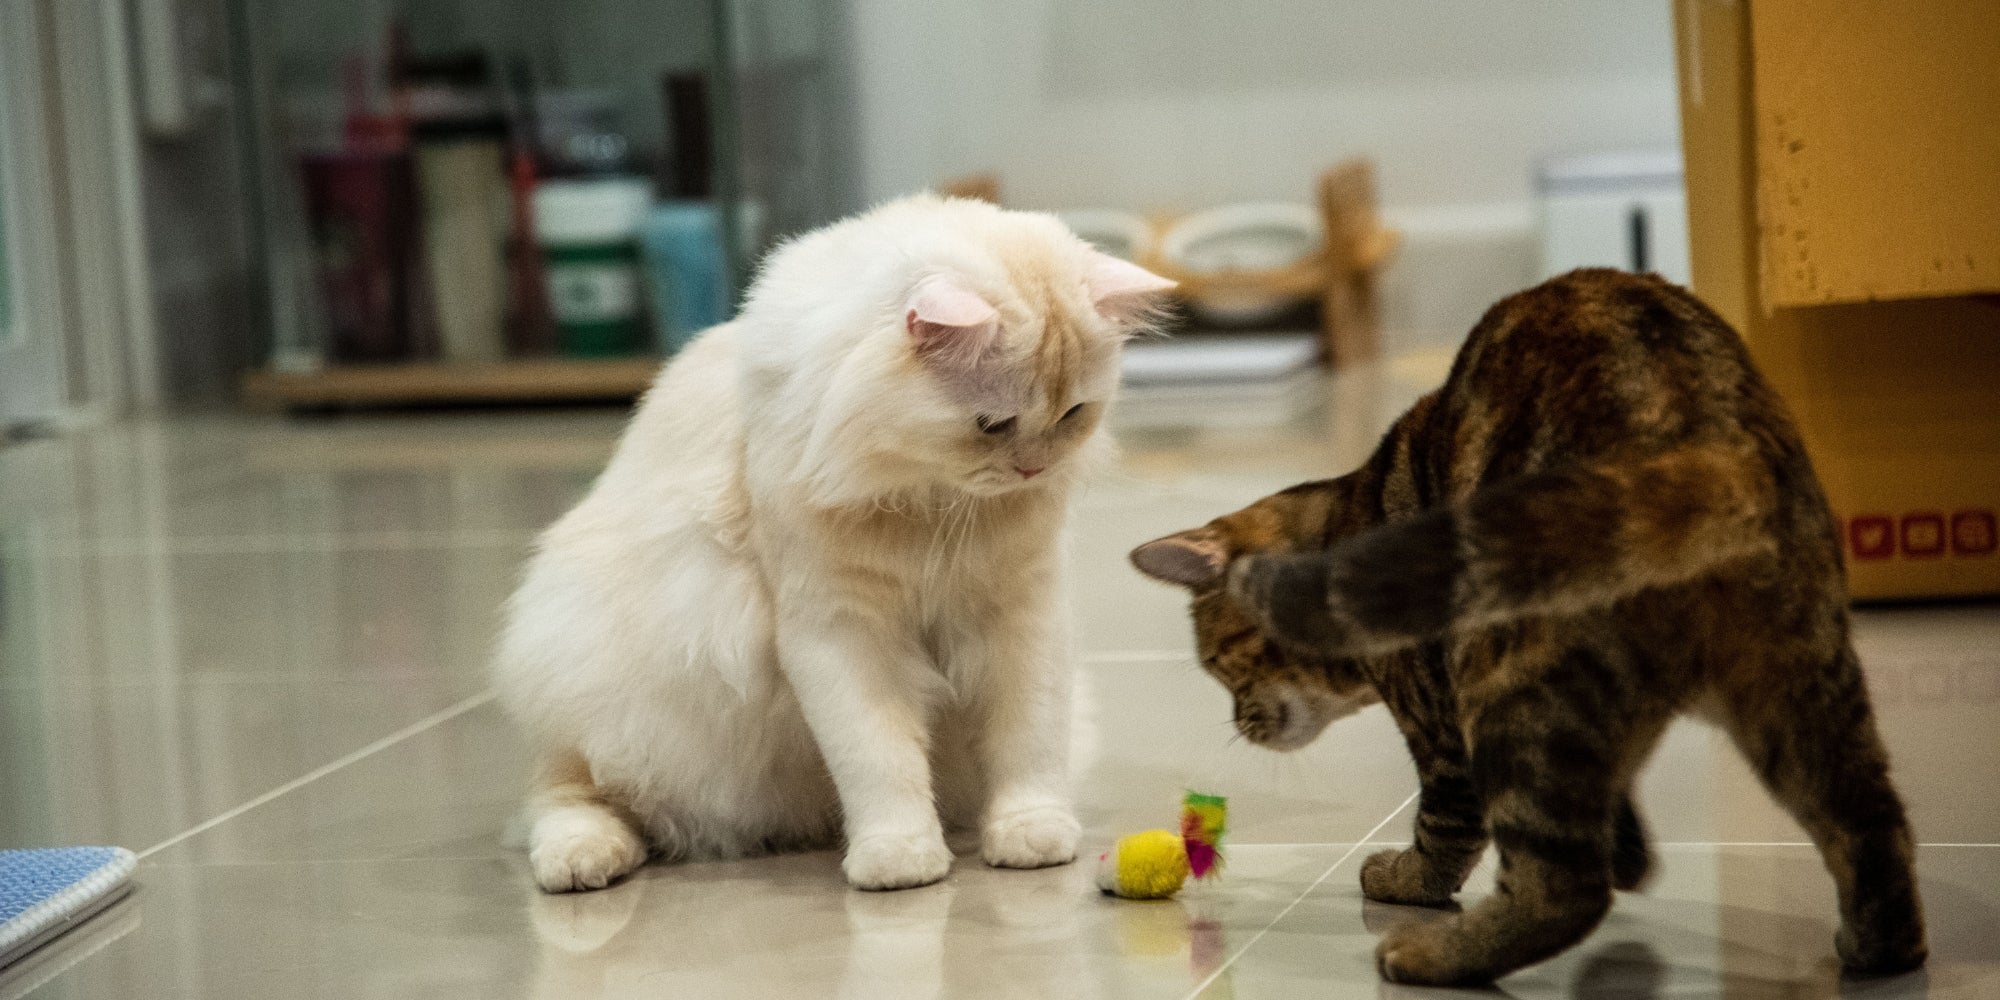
818, 588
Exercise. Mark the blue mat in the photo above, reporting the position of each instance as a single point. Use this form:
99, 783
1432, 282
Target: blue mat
45, 892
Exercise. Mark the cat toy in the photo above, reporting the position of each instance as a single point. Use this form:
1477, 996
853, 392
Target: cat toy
1156, 863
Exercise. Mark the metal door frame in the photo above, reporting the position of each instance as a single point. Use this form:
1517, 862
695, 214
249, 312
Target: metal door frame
86, 348
34, 369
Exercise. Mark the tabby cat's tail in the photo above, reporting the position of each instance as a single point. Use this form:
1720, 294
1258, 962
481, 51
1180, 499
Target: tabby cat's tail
1543, 543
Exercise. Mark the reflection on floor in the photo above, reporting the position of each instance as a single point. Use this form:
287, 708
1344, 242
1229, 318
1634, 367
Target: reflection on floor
254, 650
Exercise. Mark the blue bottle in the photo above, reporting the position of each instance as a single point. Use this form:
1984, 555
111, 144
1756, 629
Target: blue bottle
681, 239
680, 243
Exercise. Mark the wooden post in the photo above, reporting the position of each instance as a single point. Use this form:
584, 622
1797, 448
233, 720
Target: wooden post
1357, 248
978, 187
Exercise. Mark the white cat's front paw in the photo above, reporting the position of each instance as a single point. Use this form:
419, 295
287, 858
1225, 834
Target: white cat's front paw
1032, 838
896, 861
582, 848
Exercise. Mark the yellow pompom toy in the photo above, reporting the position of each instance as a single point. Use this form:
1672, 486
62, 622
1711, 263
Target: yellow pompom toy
1156, 863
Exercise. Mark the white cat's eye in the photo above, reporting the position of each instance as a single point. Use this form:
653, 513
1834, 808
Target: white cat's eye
1072, 411
991, 426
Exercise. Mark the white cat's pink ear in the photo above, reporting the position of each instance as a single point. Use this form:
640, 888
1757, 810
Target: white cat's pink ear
1123, 290
944, 316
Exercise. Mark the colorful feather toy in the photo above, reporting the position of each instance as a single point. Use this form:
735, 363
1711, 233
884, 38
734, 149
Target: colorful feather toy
1156, 863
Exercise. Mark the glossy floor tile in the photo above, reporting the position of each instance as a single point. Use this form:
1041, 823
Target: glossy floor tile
1742, 922
253, 649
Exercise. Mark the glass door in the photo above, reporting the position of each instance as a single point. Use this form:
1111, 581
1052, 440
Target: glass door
33, 379
786, 128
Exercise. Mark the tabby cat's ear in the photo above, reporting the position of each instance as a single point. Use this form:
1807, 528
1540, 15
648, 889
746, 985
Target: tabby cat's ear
1189, 558
947, 319
1122, 290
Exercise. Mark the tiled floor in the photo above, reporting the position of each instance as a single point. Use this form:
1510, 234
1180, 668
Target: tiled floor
254, 650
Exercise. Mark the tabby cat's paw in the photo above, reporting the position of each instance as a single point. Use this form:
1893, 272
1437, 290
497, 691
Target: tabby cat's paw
1035, 838
896, 861
1402, 877
1880, 958
582, 848
1427, 954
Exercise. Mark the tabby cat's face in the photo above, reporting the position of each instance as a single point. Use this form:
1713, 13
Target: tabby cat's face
1284, 696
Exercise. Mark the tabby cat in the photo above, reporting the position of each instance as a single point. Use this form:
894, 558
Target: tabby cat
1604, 518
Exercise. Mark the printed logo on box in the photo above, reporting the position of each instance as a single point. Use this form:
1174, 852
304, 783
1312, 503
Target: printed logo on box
1973, 533
1871, 536
1923, 535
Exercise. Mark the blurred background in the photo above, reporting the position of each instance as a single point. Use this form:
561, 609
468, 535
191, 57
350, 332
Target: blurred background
314, 313
316, 204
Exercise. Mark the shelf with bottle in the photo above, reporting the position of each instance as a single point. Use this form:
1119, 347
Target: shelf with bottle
478, 236
421, 383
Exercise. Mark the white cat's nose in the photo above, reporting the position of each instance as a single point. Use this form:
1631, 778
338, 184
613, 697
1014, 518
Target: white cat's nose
1029, 473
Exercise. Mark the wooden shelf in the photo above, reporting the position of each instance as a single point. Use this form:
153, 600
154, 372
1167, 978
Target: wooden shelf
538, 380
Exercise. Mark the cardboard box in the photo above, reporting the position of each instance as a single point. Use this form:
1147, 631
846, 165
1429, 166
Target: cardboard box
1843, 176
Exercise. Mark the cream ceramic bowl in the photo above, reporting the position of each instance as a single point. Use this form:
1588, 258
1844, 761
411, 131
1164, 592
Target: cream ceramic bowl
1120, 234
1260, 236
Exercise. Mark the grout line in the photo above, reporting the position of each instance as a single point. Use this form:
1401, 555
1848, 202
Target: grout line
1139, 656
1789, 843
1658, 843
1254, 938
1732, 843
433, 719
1234, 846
368, 859
283, 543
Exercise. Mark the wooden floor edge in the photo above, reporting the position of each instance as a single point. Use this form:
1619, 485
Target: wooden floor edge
536, 380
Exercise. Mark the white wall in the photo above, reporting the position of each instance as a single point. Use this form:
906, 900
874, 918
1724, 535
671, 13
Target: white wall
1175, 104
1144, 103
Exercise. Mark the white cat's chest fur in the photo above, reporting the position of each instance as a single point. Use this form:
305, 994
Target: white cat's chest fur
946, 576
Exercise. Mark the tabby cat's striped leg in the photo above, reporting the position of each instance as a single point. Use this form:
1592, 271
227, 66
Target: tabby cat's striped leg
1817, 749
1547, 758
1632, 850
1450, 833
